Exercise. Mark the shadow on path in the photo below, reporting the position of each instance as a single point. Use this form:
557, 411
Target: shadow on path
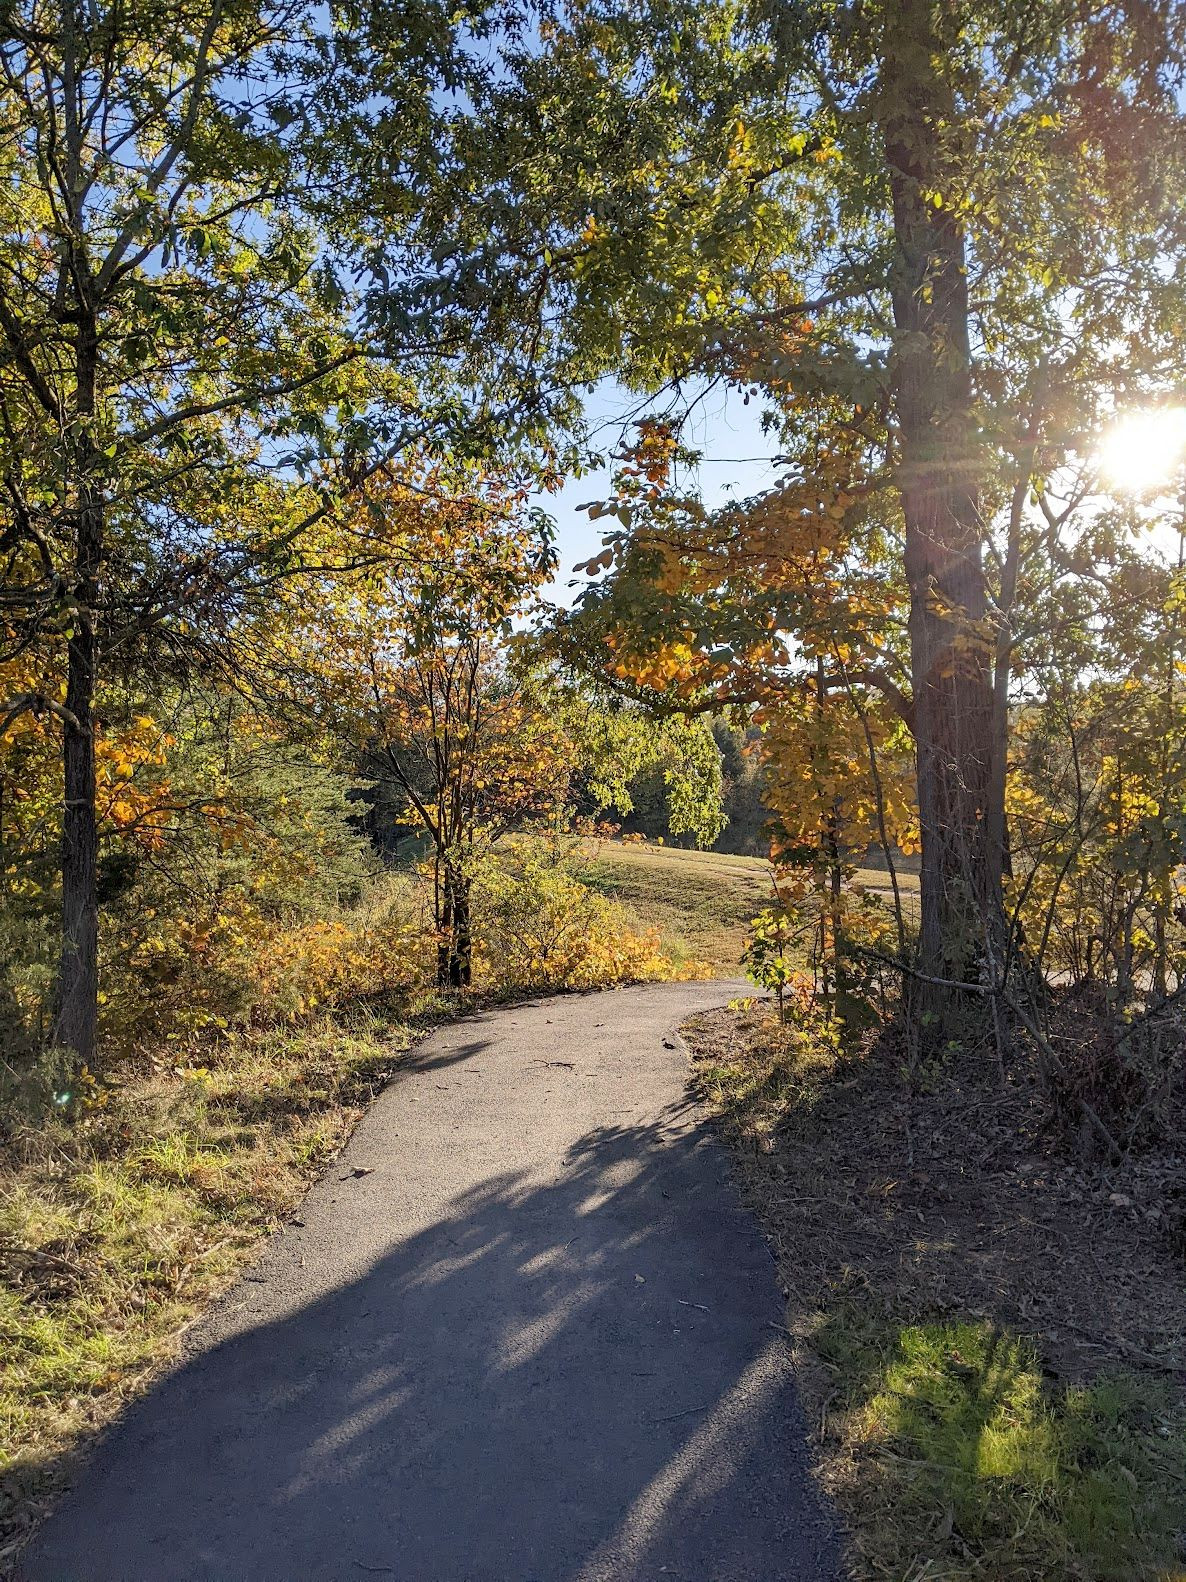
566, 1378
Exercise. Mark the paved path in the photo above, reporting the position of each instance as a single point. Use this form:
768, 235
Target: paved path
539, 1342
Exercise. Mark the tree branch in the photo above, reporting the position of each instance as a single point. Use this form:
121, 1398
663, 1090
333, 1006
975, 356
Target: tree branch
35, 703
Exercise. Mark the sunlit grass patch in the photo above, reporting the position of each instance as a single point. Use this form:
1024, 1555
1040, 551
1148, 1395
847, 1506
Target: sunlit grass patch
701, 902
965, 1462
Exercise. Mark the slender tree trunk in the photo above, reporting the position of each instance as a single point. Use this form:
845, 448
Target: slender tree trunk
996, 826
462, 936
940, 477
1170, 748
834, 875
78, 982
77, 1006
455, 947
443, 918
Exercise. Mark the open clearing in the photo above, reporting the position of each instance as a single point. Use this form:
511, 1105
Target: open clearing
702, 901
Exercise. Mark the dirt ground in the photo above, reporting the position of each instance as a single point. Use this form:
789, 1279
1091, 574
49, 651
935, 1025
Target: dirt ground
961, 1202
965, 1198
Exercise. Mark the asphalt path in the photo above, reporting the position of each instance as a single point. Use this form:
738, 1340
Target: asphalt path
522, 1331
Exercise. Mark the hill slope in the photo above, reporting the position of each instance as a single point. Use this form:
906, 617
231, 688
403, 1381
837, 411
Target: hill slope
700, 901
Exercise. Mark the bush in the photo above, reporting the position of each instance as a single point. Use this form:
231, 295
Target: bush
234, 887
539, 927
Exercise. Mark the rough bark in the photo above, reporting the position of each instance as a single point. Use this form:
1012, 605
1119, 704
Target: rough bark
78, 980
455, 949
940, 477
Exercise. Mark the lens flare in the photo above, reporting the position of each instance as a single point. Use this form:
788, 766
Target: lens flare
1143, 452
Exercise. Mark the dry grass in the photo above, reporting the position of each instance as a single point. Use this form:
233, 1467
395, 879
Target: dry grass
702, 901
116, 1228
991, 1335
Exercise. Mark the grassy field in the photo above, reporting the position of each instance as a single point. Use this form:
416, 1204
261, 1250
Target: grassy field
701, 901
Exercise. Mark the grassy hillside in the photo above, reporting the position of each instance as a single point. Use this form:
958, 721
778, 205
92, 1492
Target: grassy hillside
700, 901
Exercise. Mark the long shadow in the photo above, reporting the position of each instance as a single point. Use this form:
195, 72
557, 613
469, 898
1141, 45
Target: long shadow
441, 1059
572, 1379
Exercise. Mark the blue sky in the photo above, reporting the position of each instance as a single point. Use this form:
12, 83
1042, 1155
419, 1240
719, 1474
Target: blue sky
736, 463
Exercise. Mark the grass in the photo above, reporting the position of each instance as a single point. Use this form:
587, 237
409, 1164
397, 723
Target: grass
115, 1229
973, 1465
701, 901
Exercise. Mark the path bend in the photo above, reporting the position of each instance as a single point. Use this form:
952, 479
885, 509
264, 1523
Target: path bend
540, 1341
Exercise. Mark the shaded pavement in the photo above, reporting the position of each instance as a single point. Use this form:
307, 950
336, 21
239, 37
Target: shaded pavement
538, 1340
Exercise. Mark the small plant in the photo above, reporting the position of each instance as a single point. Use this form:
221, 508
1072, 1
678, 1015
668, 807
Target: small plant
540, 927
767, 958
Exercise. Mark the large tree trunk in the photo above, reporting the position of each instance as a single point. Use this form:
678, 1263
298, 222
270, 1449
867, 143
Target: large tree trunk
76, 1019
940, 479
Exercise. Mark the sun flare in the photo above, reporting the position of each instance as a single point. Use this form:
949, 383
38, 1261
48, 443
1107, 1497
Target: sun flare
1143, 452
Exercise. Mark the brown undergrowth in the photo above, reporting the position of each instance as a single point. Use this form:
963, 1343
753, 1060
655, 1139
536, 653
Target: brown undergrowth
992, 1334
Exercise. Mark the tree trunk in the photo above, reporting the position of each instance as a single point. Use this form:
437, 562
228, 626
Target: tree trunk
996, 826
455, 948
940, 477
462, 936
76, 1021
77, 1006
833, 874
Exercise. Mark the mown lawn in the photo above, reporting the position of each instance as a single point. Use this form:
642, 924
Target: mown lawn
701, 901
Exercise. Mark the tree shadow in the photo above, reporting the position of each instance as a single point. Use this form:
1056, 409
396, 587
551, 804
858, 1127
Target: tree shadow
570, 1375
442, 1059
